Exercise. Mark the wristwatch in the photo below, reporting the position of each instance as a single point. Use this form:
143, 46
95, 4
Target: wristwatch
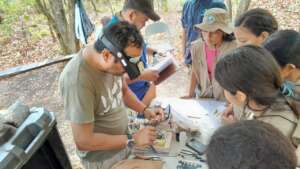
130, 141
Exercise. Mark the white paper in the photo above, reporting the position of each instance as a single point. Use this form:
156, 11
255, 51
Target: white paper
195, 115
160, 66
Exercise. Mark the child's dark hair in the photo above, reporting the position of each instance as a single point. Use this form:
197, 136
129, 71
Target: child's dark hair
285, 47
250, 144
251, 70
257, 21
121, 34
228, 37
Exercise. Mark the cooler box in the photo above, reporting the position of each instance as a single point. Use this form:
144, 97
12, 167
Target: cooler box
35, 145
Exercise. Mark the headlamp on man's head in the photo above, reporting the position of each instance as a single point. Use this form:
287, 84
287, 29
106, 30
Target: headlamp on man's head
132, 65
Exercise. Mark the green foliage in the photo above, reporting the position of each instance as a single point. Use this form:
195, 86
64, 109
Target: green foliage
181, 3
12, 10
15, 6
165, 5
5, 26
38, 34
16, 10
105, 6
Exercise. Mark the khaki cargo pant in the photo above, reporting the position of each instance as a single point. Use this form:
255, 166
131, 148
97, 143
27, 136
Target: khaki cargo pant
107, 164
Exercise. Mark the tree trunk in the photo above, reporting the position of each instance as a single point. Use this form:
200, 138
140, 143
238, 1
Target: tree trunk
109, 4
56, 14
229, 7
72, 25
165, 5
94, 6
1, 18
51, 32
172, 5
61, 23
158, 3
242, 7
237, 7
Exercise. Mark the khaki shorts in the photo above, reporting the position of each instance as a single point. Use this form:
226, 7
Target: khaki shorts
107, 164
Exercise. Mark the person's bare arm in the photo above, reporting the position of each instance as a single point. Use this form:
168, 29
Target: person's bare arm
228, 116
193, 84
86, 140
150, 94
150, 51
183, 41
131, 100
192, 87
135, 104
148, 75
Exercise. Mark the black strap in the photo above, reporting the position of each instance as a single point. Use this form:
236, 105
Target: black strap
277, 115
109, 45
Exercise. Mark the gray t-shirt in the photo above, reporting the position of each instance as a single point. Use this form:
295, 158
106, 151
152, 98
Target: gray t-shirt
93, 96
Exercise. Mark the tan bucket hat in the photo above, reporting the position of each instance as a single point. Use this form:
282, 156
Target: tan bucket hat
214, 19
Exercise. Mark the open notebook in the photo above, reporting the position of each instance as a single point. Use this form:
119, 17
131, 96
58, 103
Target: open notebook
166, 68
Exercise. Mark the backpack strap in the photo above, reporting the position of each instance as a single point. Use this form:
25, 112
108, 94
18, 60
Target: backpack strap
278, 115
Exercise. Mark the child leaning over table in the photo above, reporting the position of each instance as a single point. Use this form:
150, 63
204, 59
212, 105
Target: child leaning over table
252, 82
285, 47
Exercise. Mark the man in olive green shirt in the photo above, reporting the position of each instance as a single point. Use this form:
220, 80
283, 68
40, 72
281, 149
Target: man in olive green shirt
93, 93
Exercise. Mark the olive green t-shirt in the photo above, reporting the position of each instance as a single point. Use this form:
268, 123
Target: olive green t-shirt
93, 96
